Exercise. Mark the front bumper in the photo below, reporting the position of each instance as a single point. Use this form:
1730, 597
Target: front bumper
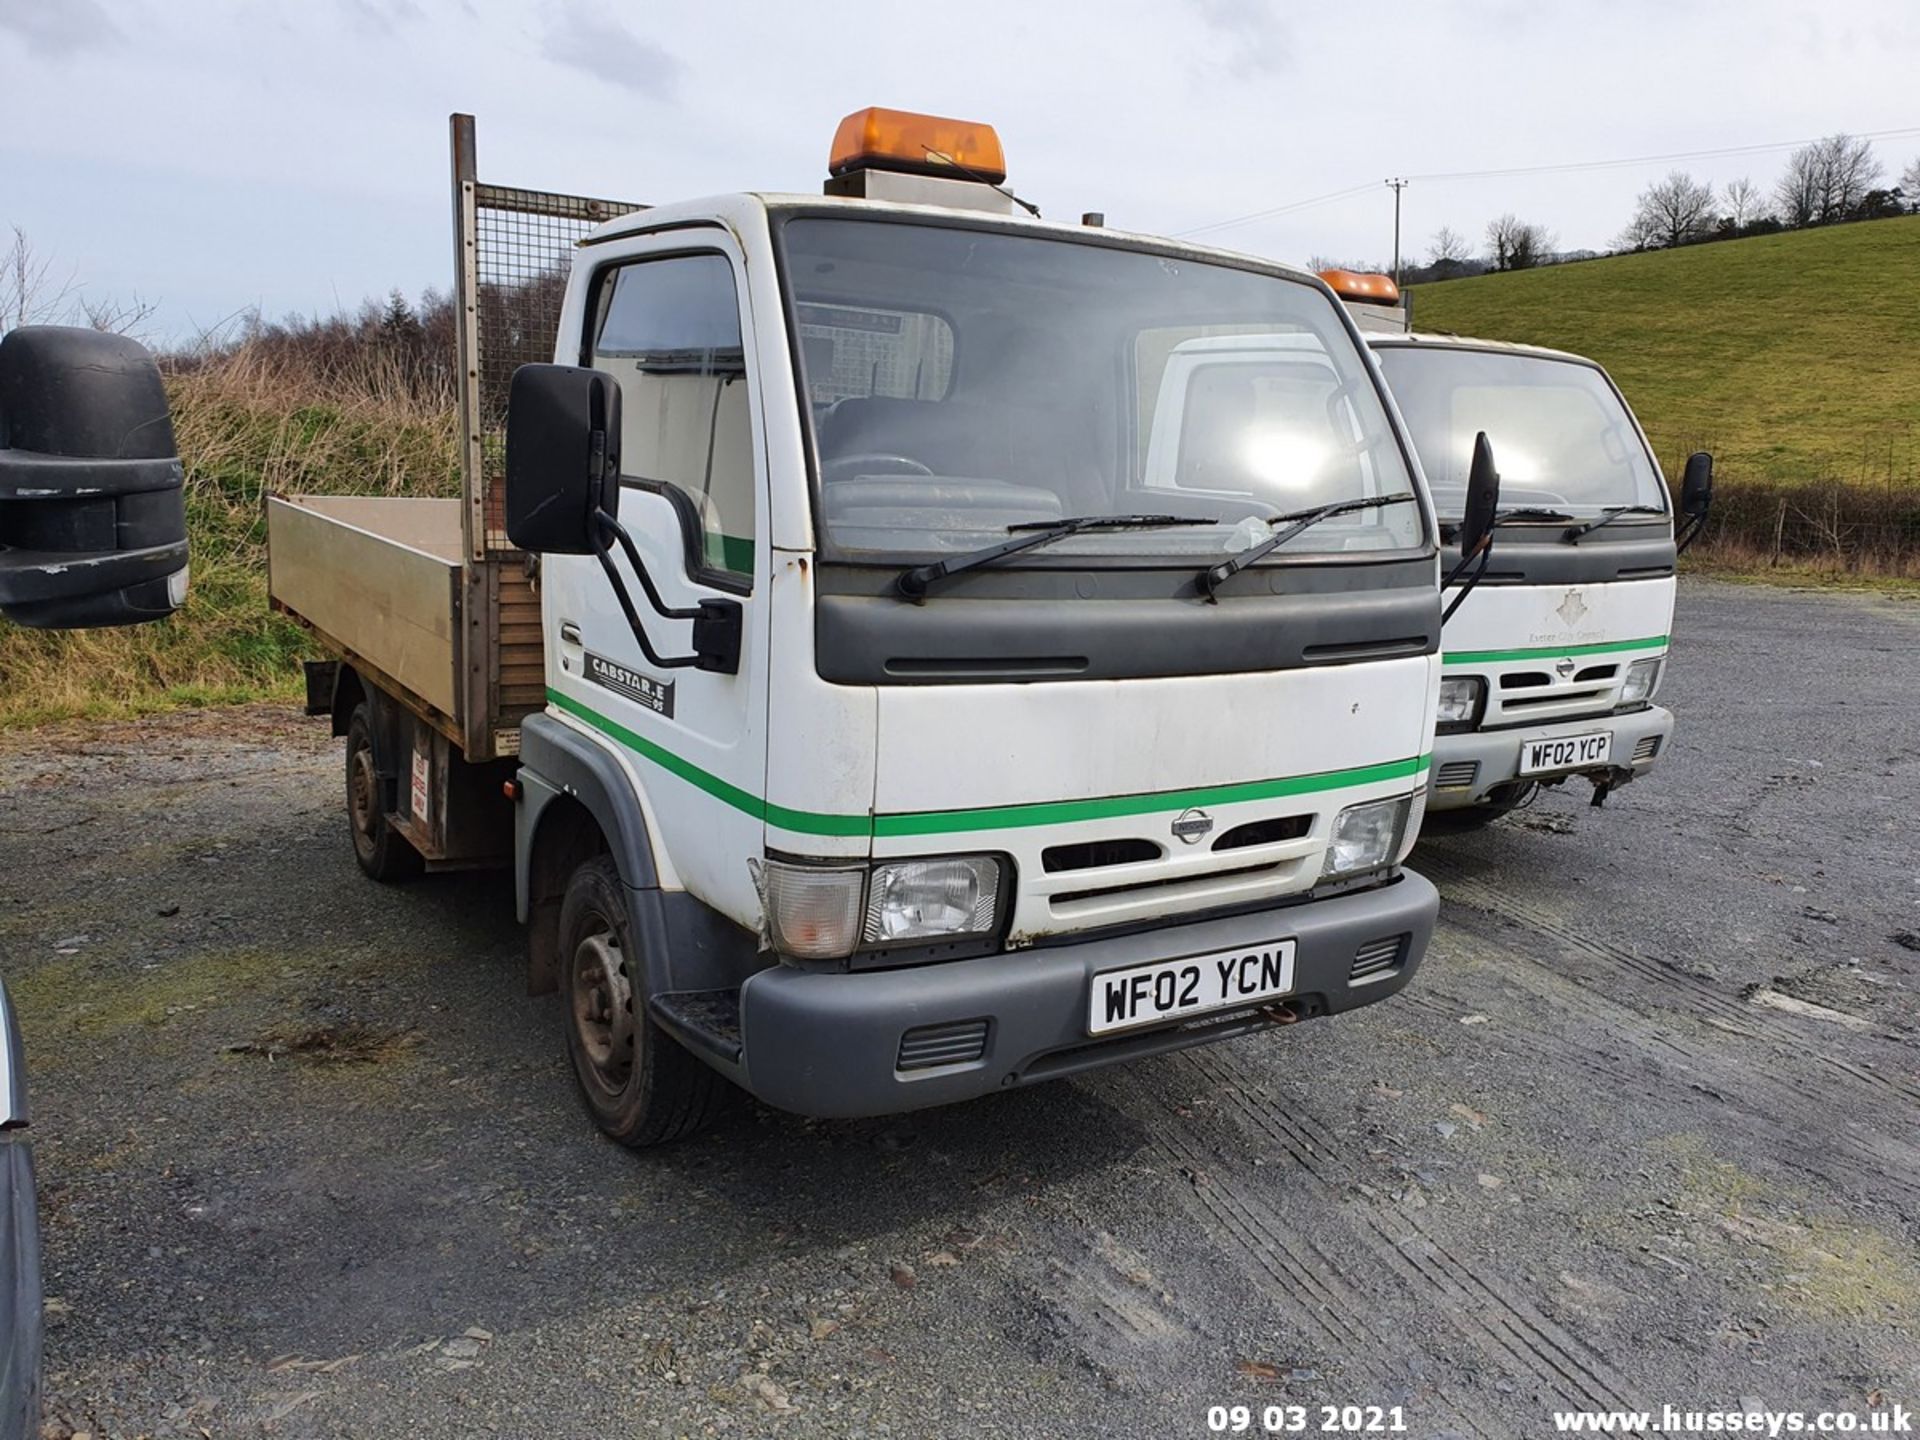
830, 1045
1468, 767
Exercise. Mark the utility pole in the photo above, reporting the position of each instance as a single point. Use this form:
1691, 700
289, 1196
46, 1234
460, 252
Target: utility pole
1398, 185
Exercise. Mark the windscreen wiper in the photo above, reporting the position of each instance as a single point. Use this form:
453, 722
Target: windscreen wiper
1612, 513
1214, 576
913, 582
1532, 514
1519, 515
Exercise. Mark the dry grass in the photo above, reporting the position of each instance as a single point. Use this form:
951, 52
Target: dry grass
250, 419
1823, 527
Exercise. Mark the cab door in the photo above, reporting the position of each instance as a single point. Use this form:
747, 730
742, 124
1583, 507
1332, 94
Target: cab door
665, 316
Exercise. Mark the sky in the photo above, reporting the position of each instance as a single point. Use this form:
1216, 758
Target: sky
209, 156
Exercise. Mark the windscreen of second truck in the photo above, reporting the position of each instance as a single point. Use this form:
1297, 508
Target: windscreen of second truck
1561, 438
963, 381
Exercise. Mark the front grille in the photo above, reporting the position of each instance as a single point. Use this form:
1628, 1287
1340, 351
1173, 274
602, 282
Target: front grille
1265, 832
1559, 697
1098, 854
1378, 959
1647, 748
1172, 883
1457, 775
958, 1043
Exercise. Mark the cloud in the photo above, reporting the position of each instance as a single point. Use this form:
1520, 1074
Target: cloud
59, 28
382, 16
1257, 41
583, 36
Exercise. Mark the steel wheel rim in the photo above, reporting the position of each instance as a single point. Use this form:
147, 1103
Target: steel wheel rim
602, 1001
362, 790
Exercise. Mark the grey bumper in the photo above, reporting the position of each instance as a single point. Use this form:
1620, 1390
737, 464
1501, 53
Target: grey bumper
19, 1292
830, 1045
1482, 760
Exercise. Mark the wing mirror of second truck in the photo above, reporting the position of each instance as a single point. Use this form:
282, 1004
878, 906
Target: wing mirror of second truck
93, 524
1696, 495
563, 498
1477, 523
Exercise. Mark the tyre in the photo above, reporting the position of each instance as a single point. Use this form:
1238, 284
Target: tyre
639, 1085
384, 856
1477, 817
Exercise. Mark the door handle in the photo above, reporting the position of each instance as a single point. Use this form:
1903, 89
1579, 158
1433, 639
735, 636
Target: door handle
569, 633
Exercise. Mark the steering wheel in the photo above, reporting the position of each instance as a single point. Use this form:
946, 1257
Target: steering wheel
843, 466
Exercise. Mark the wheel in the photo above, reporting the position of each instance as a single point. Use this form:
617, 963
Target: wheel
1477, 817
384, 855
639, 1085
1461, 822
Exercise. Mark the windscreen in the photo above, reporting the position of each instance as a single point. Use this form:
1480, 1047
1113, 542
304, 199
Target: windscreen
1561, 438
965, 381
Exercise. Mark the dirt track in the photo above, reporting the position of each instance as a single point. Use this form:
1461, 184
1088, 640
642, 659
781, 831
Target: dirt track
1642, 1130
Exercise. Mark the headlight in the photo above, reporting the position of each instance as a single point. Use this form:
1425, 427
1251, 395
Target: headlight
812, 912
1365, 837
1460, 700
1643, 678
932, 899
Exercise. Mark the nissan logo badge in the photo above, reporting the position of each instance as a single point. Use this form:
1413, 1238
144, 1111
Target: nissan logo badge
1192, 826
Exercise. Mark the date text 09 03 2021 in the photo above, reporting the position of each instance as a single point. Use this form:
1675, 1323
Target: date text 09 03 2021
1307, 1419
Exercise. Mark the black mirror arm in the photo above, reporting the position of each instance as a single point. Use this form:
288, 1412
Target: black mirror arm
619, 532
654, 657
1695, 524
1483, 555
716, 623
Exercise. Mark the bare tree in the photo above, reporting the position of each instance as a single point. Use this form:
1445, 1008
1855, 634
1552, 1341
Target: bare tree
1672, 212
33, 293
1449, 247
1910, 186
1827, 180
1745, 203
120, 317
1318, 263
1516, 244
30, 292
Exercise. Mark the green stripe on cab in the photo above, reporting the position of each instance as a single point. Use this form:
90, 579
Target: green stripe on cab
994, 817
1545, 652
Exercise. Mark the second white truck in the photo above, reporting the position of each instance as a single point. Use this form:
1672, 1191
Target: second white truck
1553, 662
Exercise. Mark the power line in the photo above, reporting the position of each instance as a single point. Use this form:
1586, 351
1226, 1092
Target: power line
1655, 159
1277, 210
1569, 167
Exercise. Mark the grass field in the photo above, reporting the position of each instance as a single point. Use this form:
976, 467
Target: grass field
1793, 357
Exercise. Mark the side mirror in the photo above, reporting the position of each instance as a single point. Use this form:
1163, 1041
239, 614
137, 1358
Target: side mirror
563, 459
93, 523
1696, 486
1483, 499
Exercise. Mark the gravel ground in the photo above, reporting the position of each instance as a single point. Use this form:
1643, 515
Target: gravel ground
1642, 1130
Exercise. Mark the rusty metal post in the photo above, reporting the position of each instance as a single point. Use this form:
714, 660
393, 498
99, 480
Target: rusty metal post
476, 616
466, 310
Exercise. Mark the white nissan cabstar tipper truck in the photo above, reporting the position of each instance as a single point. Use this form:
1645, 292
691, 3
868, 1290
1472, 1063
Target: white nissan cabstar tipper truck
1552, 662
896, 733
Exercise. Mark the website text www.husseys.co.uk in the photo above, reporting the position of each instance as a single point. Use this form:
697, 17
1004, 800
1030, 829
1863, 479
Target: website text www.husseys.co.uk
1674, 1420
